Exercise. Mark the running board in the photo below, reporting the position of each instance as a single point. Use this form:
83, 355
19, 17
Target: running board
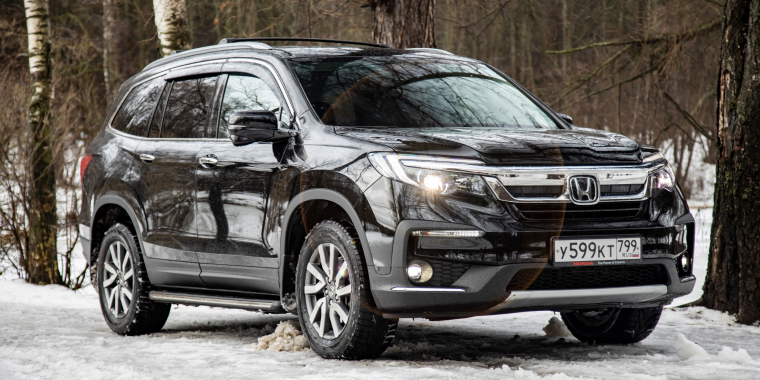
215, 301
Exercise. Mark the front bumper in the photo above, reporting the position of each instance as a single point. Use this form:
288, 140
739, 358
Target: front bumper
483, 288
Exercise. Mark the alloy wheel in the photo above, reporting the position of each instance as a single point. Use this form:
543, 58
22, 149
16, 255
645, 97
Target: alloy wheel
327, 290
118, 273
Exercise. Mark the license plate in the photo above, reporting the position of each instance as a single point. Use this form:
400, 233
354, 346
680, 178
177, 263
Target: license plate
596, 249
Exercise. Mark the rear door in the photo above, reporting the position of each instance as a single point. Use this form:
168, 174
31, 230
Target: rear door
169, 159
233, 190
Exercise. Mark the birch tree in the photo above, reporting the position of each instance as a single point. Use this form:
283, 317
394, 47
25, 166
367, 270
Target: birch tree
109, 33
403, 23
41, 263
171, 23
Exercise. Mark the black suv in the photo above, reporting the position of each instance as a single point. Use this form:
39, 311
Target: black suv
354, 186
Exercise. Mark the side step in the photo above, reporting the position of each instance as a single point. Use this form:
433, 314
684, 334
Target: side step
215, 301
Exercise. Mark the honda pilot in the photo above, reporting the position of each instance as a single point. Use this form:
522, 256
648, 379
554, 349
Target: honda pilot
355, 184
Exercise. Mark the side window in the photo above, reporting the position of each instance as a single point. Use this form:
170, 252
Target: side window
188, 108
245, 93
134, 115
158, 116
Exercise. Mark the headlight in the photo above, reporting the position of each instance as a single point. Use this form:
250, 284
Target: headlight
437, 181
663, 178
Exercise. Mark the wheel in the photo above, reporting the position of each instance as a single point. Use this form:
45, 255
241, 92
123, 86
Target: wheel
335, 306
612, 325
123, 286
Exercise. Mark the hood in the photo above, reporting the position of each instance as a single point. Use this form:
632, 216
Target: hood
577, 146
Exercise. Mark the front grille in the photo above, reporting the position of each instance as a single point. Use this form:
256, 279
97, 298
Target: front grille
587, 277
446, 273
618, 190
535, 191
570, 211
556, 191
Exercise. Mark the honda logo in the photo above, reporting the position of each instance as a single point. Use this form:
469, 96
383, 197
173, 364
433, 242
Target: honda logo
584, 190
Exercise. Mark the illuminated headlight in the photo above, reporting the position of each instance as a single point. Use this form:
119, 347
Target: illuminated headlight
419, 271
663, 178
435, 181
685, 263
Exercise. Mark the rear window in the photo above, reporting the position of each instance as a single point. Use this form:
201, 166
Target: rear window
134, 114
408, 91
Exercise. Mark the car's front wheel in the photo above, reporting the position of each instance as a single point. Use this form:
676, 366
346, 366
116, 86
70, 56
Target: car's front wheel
123, 286
612, 325
335, 306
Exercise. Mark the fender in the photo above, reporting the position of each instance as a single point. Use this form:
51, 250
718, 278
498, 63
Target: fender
326, 195
110, 199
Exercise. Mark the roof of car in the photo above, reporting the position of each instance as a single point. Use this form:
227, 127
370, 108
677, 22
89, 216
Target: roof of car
290, 51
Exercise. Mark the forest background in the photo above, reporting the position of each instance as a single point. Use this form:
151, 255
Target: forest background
644, 68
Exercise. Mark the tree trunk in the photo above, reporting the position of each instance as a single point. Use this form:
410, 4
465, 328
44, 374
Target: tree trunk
404, 23
733, 271
171, 23
42, 261
109, 47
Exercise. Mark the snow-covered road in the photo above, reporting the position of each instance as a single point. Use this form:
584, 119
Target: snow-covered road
52, 333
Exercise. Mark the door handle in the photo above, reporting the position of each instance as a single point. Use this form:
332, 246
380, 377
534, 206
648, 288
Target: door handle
208, 161
147, 158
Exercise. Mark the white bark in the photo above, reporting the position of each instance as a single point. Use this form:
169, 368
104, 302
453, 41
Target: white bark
171, 23
108, 46
39, 39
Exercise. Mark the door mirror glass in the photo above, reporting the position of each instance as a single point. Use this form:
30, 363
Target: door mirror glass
256, 126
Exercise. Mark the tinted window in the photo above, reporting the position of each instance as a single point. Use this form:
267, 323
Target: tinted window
135, 112
188, 108
414, 92
158, 116
245, 93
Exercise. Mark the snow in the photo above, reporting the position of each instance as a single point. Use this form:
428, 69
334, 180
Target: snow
50, 332
686, 349
286, 337
557, 328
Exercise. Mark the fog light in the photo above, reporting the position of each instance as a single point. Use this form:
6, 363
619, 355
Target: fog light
419, 271
685, 263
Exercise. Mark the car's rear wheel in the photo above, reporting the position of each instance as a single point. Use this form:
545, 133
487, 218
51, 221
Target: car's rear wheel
123, 286
335, 306
612, 325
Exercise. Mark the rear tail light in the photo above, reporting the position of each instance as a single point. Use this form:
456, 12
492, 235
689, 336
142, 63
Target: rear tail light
83, 162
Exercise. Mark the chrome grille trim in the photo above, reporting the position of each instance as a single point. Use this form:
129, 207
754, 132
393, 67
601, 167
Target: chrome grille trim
498, 176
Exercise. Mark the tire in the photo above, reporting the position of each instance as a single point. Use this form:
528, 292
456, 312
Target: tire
345, 293
613, 325
138, 315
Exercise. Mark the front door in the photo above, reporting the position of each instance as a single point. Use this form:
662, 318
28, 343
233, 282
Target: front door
233, 190
169, 158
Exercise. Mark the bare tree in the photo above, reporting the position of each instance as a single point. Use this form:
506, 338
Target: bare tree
733, 271
171, 22
109, 32
403, 23
41, 263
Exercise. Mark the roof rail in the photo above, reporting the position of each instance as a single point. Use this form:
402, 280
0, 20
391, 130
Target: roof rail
432, 50
298, 39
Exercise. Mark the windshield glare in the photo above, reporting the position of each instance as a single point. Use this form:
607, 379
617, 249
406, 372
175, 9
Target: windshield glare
414, 92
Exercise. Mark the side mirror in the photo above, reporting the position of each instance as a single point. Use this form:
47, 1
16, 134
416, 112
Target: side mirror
256, 126
566, 118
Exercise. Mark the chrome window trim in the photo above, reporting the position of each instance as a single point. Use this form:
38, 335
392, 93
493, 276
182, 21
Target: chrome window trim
262, 63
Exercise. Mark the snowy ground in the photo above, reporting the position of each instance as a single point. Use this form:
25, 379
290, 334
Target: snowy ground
53, 333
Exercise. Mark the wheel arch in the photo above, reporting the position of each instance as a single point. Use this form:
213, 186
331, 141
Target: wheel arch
108, 210
339, 205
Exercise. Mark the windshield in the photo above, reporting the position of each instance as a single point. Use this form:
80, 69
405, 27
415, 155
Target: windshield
414, 92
